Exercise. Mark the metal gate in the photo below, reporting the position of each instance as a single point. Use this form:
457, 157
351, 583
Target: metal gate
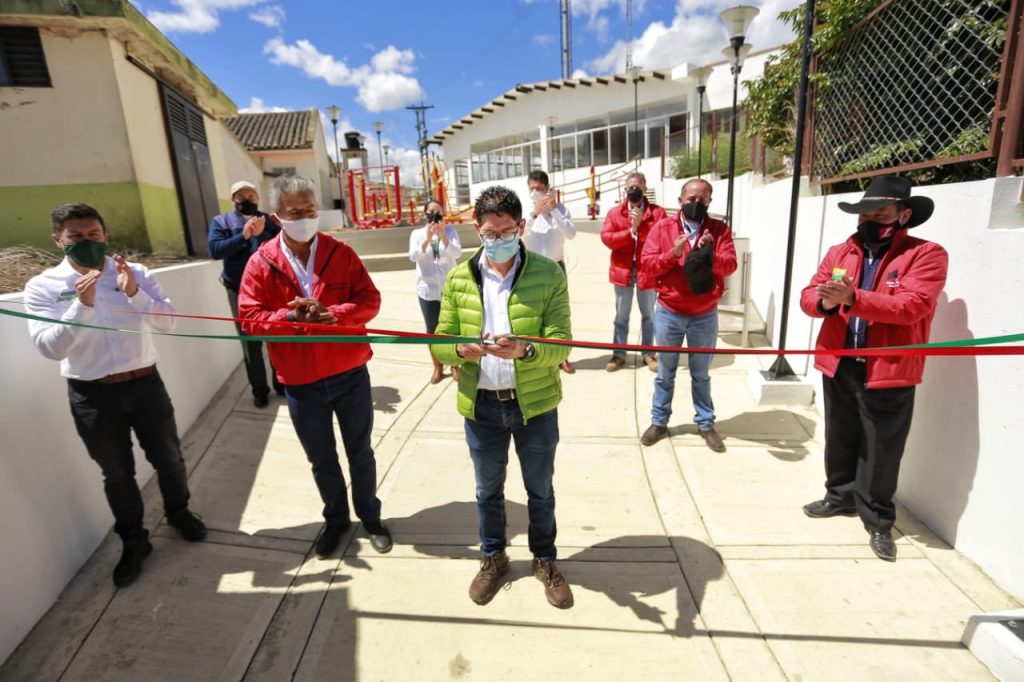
193, 173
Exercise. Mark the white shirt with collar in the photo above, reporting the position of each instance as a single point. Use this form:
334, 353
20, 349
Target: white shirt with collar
496, 373
691, 229
431, 269
90, 354
546, 233
304, 273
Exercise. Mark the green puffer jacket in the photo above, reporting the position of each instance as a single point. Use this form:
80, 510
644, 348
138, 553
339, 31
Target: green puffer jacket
538, 306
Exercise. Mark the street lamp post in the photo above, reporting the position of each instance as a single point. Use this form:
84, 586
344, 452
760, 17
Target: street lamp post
378, 126
634, 74
335, 112
387, 148
737, 21
701, 75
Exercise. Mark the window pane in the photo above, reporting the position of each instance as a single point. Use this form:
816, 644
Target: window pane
636, 141
583, 150
535, 160
600, 147
568, 152
556, 155
655, 129
618, 144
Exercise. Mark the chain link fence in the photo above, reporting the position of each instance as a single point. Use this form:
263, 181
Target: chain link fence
913, 85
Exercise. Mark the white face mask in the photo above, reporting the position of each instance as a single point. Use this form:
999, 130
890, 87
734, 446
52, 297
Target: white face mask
536, 195
301, 230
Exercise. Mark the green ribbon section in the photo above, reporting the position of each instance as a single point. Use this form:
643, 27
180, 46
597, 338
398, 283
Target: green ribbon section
424, 340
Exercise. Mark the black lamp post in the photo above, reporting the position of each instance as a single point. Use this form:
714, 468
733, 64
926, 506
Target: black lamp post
634, 74
701, 76
780, 369
737, 21
335, 112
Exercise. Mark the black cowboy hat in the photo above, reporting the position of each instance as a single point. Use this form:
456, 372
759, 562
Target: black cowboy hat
890, 189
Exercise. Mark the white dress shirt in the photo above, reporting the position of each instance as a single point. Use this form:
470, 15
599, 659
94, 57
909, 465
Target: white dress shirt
304, 273
691, 229
89, 354
496, 373
546, 234
431, 268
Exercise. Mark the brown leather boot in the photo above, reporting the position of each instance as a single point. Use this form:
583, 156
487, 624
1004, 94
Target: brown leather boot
557, 591
488, 579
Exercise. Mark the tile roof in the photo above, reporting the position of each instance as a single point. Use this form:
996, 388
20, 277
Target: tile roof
276, 130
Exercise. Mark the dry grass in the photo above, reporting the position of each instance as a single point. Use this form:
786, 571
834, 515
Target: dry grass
19, 264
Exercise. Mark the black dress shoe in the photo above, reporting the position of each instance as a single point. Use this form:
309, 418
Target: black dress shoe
821, 509
380, 536
330, 538
130, 565
882, 545
190, 525
653, 434
260, 401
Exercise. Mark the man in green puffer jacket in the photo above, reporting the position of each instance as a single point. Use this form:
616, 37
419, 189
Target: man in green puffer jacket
509, 388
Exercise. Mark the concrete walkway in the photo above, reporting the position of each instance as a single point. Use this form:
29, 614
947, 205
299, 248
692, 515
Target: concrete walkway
686, 564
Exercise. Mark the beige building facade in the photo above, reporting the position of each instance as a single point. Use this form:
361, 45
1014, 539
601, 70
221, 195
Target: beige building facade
106, 111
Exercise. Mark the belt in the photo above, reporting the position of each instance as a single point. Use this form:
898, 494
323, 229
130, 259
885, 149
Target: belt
502, 394
122, 377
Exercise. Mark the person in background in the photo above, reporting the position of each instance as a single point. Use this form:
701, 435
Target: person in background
435, 249
113, 385
233, 238
547, 228
625, 232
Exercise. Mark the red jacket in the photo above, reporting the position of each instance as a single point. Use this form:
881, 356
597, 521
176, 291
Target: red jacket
340, 282
625, 250
662, 267
898, 309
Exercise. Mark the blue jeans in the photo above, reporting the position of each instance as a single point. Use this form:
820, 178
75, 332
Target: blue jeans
312, 408
431, 312
700, 331
488, 438
623, 304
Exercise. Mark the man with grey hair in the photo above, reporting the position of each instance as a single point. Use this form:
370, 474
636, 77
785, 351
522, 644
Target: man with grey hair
303, 282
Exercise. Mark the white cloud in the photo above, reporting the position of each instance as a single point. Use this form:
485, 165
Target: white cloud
406, 158
579, 73
543, 39
271, 17
696, 35
382, 85
256, 106
196, 16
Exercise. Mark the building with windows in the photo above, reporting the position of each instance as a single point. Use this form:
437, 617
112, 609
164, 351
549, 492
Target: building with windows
605, 126
97, 106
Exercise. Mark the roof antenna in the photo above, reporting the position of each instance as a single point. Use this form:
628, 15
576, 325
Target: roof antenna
566, 11
629, 34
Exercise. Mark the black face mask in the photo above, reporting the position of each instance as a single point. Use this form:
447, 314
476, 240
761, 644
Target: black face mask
246, 207
433, 217
695, 211
635, 195
873, 232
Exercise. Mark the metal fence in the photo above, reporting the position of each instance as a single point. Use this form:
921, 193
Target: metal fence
918, 83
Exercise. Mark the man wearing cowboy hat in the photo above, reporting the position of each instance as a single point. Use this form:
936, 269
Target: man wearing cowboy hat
878, 288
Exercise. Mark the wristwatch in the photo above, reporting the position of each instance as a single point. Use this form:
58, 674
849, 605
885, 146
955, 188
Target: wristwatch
531, 350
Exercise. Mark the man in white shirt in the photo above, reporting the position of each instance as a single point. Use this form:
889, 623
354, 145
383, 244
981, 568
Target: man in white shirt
435, 249
547, 228
113, 385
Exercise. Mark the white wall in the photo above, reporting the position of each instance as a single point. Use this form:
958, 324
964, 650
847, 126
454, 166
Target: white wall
962, 468
51, 493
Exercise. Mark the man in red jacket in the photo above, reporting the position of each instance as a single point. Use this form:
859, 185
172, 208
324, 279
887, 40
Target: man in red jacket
688, 258
625, 231
878, 288
310, 279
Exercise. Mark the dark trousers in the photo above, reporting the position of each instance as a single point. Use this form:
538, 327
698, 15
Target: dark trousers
312, 408
488, 436
252, 352
431, 312
865, 433
105, 415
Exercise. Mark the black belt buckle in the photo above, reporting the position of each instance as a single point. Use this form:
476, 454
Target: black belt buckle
505, 394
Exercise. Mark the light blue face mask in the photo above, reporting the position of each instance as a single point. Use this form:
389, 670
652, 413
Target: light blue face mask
502, 252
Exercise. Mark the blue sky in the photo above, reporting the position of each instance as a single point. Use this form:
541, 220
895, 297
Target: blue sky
374, 58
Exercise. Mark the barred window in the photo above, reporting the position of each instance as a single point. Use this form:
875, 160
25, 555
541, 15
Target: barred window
22, 62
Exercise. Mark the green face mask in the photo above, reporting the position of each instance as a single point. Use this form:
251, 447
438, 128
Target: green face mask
87, 253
